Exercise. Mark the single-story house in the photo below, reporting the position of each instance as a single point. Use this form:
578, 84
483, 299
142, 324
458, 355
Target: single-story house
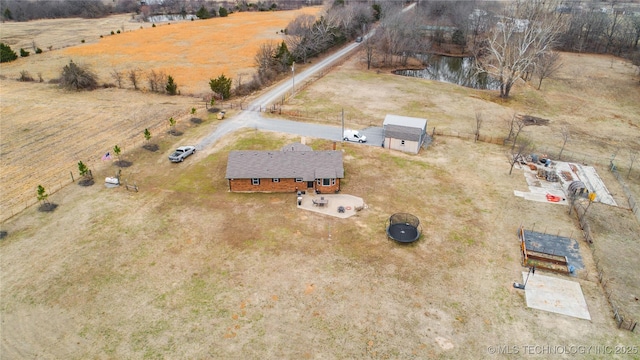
404, 133
296, 167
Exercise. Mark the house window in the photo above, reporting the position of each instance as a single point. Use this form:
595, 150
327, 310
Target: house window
298, 179
255, 181
275, 180
401, 142
327, 182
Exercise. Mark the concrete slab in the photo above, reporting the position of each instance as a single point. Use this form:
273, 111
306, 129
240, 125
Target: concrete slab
539, 188
351, 204
555, 295
567, 173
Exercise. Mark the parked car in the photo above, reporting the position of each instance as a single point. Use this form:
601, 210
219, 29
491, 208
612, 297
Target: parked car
359, 39
181, 153
354, 135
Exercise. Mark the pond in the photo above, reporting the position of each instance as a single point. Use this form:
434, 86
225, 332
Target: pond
454, 70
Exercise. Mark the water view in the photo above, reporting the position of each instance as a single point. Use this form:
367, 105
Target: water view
454, 70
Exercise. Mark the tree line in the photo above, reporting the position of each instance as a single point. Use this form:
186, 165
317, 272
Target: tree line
25, 10
511, 41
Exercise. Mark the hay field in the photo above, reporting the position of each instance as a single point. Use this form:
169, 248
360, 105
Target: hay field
191, 51
45, 131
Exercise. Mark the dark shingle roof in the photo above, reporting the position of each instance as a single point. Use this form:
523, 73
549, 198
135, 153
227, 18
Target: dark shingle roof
308, 165
296, 147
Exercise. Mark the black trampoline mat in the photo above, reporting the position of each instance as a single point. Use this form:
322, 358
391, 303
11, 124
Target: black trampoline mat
403, 232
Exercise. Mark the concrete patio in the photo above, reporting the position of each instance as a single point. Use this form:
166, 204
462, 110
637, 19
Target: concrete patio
350, 204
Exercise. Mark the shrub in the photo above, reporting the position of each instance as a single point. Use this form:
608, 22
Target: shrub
38, 51
76, 77
458, 38
23, 52
6, 54
153, 25
82, 41
112, 33
25, 76
223, 12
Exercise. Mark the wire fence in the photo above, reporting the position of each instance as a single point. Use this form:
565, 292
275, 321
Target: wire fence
620, 315
66, 173
633, 204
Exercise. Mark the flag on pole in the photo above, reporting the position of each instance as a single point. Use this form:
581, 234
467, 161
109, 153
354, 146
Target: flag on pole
106, 156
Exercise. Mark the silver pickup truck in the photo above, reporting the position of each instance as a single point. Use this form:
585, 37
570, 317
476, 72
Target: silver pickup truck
181, 153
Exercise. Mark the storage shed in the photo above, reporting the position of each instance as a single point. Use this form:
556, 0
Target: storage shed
404, 133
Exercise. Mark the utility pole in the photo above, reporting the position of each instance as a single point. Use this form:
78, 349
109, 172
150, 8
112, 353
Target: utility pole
342, 135
293, 77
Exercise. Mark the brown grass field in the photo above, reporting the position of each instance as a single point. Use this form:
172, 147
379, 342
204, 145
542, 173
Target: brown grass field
185, 269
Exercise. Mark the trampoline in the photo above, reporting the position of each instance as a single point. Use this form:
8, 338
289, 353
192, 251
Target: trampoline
403, 228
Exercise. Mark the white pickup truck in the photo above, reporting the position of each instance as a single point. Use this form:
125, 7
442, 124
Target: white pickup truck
181, 153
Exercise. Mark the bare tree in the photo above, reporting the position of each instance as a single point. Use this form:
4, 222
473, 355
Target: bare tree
510, 125
526, 30
479, 120
517, 152
299, 37
547, 65
612, 30
517, 125
633, 155
134, 77
117, 76
157, 81
266, 57
564, 131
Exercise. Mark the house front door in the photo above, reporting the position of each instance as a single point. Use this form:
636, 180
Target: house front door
309, 184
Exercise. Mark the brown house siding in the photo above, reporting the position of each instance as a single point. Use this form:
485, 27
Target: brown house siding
284, 185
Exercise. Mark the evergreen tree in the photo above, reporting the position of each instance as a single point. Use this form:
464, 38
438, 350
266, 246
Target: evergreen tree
42, 195
221, 86
117, 151
223, 12
458, 38
172, 87
172, 124
6, 54
203, 13
82, 168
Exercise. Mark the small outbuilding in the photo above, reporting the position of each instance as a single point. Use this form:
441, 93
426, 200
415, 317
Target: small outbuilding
404, 133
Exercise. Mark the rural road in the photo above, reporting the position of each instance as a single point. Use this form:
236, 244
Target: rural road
251, 117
